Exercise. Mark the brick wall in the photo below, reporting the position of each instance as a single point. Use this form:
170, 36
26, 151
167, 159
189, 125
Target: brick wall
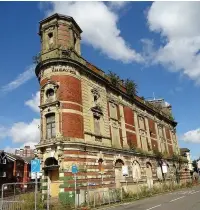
131, 139
72, 125
69, 89
128, 115
63, 36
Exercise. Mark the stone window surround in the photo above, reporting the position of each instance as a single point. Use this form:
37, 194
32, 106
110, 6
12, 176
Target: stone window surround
45, 112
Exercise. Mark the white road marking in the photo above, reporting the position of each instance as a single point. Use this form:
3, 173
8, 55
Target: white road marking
154, 207
177, 199
194, 192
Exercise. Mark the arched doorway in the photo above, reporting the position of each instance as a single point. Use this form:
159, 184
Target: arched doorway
101, 169
149, 175
118, 173
52, 170
136, 171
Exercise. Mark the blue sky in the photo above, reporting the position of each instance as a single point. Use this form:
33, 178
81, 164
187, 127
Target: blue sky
158, 48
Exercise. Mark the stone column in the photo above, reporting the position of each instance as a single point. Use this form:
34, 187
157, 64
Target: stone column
165, 137
125, 143
158, 137
148, 133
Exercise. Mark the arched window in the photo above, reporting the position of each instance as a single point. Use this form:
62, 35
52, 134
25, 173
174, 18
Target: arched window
118, 173
50, 126
136, 171
51, 161
100, 162
50, 93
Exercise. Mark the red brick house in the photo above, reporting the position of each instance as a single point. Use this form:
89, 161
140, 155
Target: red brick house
14, 168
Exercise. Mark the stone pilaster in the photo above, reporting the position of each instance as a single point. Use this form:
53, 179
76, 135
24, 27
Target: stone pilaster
148, 133
125, 143
137, 129
165, 140
158, 137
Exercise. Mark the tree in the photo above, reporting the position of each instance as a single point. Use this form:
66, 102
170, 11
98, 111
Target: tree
131, 87
114, 78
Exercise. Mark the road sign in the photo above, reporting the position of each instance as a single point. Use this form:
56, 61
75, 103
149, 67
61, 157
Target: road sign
33, 175
125, 170
35, 166
74, 169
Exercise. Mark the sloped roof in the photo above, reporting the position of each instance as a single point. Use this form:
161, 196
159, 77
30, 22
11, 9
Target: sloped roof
16, 157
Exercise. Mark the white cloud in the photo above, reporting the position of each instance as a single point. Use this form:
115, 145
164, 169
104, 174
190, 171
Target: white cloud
192, 136
22, 132
9, 149
20, 80
117, 4
99, 24
178, 24
34, 102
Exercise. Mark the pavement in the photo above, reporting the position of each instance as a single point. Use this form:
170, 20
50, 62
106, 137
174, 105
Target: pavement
187, 199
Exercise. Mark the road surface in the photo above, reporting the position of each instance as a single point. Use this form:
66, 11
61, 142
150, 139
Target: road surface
185, 199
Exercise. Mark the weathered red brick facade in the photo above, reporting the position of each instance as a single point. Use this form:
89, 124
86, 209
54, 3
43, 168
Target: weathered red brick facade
88, 121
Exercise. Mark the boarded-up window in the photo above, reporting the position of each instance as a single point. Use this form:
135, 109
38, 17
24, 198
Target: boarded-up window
113, 111
167, 133
136, 171
97, 130
128, 115
116, 137
152, 128
160, 131
154, 144
141, 123
131, 139
170, 148
50, 126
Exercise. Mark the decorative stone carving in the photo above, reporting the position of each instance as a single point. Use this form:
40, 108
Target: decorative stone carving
60, 68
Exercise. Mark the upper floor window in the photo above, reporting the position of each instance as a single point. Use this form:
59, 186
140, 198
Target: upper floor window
50, 36
160, 131
113, 111
50, 126
97, 130
50, 93
141, 123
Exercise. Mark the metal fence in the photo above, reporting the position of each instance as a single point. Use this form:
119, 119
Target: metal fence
40, 196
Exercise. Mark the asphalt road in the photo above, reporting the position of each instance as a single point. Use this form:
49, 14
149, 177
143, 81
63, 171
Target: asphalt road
188, 199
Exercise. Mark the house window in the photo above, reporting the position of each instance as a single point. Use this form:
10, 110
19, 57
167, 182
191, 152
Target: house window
4, 161
50, 93
141, 123
136, 171
113, 111
50, 126
100, 165
97, 130
50, 35
160, 131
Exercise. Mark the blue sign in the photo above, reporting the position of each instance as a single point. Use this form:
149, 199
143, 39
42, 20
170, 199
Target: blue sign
74, 169
35, 166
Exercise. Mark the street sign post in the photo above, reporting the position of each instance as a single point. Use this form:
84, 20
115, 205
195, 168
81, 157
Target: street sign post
35, 169
75, 171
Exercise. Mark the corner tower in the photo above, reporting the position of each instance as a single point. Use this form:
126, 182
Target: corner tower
60, 94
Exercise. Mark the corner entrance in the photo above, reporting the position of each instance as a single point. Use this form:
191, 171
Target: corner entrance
52, 169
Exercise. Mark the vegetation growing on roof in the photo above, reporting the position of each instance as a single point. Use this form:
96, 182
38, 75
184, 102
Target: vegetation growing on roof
131, 87
114, 78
